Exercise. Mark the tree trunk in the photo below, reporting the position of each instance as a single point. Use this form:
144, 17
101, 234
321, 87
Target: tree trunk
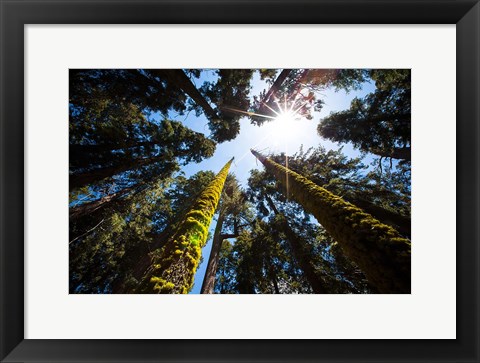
381, 252
273, 276
174, 265
403, 153
181, 80
94, 176
91, 207
401, 223
209, 279
299, 253
274, 89
78, 150
144, 262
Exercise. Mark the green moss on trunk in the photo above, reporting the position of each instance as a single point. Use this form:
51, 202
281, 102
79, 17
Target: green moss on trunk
174, 265
379, 250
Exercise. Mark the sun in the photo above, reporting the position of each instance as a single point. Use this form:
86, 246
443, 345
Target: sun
284, 123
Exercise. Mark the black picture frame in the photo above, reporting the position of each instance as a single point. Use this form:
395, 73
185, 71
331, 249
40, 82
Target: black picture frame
16, 13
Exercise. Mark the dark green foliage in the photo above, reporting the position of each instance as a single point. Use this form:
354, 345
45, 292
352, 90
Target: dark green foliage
378, 123
163, 91
108, 251
381, 253
315, 222
303, 239
229, 93
257, 263
109, 247
125, 86
168, 143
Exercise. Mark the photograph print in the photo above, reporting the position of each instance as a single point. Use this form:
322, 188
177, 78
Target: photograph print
239, 181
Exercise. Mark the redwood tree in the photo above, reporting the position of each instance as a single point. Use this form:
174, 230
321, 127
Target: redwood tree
380, 251
173, 266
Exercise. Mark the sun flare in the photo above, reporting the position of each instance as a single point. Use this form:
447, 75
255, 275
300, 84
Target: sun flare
284, 124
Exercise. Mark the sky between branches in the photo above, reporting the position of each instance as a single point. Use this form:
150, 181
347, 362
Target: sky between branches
267, 138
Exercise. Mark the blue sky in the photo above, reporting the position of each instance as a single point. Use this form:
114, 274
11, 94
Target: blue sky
266, 138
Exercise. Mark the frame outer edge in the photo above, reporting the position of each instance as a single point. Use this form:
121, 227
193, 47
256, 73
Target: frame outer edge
468, 181
11, 108
12, 176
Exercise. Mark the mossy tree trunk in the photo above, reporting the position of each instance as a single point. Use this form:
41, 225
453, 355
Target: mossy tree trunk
381, 252
174, 265
399, 222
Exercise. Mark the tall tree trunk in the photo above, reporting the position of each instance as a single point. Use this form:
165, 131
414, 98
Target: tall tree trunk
300, 252
80, 156
401, 223
273, 276
174, 265
274, 89
94, 176
78, 150
91, 207
403, 153
181, 80
381, 252
209, 279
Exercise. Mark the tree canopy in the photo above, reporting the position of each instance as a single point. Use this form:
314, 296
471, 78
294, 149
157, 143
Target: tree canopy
152, 186
378, 123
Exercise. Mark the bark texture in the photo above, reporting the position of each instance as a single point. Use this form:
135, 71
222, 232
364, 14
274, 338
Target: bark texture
209, 279
175, 264
380, 251
181, 80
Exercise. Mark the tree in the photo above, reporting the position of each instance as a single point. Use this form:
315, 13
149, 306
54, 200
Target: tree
169, 143
231, 208
262, 192
386, 196
110, 243
125, 87
174, 265
106, 253
380, 122
229, 93
303, 239
381, 253
165, 90
258, 263
298, 89
225, 281
178, 78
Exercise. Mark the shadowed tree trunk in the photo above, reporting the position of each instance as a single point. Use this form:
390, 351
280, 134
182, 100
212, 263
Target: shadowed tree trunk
403, 153
78, 150
94, 176
381, 252
300, 252
91, 207
274, 89
209, 279
174, 265
181, 80
401, 223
